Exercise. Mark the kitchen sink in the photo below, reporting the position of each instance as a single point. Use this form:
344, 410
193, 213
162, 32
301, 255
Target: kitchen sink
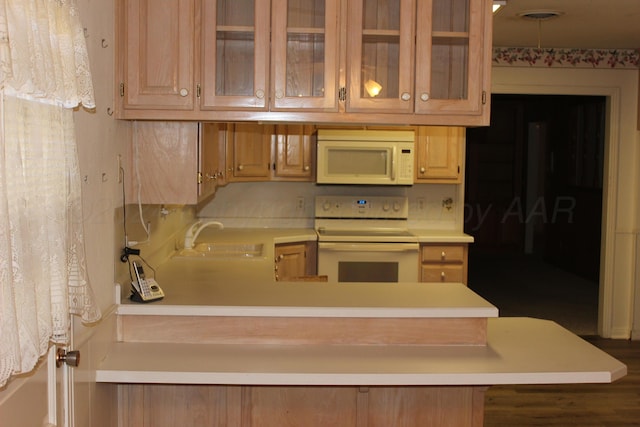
219, 250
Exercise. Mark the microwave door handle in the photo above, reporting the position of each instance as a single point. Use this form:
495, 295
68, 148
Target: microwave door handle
393, 163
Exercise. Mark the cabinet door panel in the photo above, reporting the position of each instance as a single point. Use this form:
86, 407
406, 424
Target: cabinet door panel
235, 49
159, 55
439, 154
248, 152
294, 158
449, 56
290, 260
380, 57
164, 157
305, 55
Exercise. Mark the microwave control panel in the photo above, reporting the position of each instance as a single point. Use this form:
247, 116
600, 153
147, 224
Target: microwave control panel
405, 164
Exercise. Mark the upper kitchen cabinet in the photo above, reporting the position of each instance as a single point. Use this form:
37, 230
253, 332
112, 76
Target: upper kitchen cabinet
387, 62
380, 46
235, 54
174, 162
453, 57
439, 154
419, 57
305, 55
294, 156
156, 56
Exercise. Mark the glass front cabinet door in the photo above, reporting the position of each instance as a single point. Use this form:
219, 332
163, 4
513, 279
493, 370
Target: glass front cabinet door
305, 55
449, 56
380, 46
235, 54
416, 56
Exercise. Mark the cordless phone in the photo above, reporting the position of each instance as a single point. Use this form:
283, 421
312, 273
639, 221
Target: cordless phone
144, 290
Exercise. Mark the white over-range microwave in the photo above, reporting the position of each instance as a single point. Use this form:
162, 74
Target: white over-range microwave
373, 157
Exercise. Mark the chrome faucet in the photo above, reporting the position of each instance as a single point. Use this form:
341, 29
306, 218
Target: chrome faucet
192, 232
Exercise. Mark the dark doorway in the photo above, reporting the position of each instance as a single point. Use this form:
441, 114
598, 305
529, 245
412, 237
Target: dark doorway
533, 203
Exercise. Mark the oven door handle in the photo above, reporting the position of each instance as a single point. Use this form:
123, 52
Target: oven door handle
369, 247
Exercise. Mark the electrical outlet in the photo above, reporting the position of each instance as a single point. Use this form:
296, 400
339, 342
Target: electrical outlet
300, 203
422, 203
448, 207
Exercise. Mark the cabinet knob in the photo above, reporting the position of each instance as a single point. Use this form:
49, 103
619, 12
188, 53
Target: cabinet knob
259, 94
442, 276
405, 96
184, 92
279, 94
424, 96
443, 255
240, 167
306, 168
422, 169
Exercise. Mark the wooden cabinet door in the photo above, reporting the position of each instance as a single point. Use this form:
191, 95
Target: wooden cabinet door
164, 163
211, 158
235, 52
290, 260
157, 70
451, 48
439, 154
294, 152
248, 152
380, 55
305, 55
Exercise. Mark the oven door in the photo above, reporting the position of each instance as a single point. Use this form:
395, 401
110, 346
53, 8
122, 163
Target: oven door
368, 262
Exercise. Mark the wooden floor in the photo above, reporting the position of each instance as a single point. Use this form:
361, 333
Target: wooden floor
614, 405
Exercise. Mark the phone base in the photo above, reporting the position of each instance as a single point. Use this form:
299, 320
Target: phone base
135, 296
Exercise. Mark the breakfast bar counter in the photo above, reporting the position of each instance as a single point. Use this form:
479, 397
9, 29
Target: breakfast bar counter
231, 344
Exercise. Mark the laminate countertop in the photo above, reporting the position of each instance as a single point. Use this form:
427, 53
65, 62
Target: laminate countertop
517, 350
245, 286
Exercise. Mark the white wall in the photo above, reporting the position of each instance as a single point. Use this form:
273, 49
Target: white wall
622, 166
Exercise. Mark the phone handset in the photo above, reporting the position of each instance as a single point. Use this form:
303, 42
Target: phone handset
144, 290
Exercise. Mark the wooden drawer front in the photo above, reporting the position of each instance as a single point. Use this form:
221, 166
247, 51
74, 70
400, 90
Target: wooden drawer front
443, 273
443, 253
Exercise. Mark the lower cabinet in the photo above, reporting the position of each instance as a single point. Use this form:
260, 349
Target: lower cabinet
444, 262
161, 405
295, 261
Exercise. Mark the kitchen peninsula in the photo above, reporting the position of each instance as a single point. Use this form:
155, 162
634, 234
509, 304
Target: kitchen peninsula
231, 346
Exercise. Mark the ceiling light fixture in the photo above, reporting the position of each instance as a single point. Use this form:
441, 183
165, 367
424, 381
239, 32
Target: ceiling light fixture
497, 4
540, 15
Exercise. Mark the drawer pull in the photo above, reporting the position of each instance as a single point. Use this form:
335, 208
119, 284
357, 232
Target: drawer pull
443, 276
443, 255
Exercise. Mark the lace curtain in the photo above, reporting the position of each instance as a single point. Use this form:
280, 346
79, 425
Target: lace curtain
44, 73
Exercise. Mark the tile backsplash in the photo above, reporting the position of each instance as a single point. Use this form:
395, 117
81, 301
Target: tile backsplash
291, 204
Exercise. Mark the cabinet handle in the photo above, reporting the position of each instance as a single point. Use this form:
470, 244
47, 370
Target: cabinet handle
184, 92
424, 96
259, 94
422, 169
240, 167
405, 96
306, 168
442, 276
279, 94
443, 255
